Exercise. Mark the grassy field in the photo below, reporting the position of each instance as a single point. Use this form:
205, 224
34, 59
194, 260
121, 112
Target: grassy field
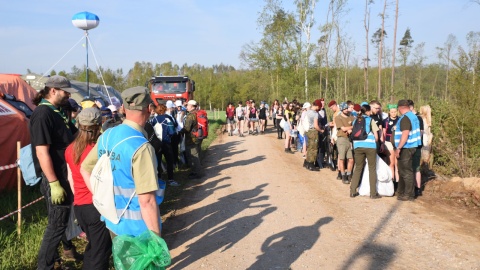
21, 252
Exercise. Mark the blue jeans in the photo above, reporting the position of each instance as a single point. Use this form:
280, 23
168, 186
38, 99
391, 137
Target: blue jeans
58, 216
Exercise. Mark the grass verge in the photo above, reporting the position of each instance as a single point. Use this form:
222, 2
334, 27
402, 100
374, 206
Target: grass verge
20, 252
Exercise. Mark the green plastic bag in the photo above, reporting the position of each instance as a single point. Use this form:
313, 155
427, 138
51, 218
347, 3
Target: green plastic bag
146, 251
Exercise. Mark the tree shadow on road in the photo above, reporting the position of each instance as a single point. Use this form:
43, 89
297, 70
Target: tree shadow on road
282, 249
225, 236
380, 255
184, 227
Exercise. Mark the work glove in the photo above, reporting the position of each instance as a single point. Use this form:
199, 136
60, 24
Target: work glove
57, 192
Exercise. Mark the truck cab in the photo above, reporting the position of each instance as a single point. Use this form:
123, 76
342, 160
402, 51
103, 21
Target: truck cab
164, 88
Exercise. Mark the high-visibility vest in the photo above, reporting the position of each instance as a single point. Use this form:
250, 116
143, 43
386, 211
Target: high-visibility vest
414, 137
369, 142
131, 223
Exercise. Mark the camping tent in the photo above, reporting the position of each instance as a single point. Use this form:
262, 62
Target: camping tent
108, 94
13, 126
96, 90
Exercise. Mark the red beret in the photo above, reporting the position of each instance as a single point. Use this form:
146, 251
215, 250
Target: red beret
322, 99
331, 103
357, 107
318, 103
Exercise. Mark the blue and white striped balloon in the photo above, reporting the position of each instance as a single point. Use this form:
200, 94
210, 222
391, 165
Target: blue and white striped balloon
85, 20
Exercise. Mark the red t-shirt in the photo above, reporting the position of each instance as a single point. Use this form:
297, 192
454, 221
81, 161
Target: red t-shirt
82, 194
230, 112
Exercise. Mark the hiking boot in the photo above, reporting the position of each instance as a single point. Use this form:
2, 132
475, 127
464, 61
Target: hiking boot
353, 195
349, 178
311, 167
305, 164
405, 198
418, 192
339, 176
345, 179
72, 254
376, 196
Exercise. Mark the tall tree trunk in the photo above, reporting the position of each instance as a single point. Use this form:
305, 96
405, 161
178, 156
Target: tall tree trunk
366, 24
392, 87
380, 53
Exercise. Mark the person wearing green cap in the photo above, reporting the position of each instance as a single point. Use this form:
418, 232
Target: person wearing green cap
135, 167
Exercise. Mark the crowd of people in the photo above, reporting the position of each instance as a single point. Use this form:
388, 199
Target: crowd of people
68, 139
400, 136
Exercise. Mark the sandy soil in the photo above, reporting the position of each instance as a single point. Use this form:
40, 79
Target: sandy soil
258, 208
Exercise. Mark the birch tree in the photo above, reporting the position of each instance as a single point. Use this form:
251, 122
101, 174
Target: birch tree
445, 53
305, 9
366, 25
380, 52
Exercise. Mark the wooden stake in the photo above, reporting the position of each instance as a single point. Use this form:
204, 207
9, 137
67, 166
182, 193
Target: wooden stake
19, 190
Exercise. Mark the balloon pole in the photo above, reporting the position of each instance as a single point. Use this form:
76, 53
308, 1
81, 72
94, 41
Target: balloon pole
86, 46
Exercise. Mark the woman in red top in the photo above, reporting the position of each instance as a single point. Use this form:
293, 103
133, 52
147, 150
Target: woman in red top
99, 247
230, 116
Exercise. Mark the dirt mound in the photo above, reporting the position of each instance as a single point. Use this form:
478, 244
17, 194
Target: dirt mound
463, 192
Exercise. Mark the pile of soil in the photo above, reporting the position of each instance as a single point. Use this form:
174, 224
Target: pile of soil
458, 192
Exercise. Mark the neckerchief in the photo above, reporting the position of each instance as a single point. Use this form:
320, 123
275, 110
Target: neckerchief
59, 111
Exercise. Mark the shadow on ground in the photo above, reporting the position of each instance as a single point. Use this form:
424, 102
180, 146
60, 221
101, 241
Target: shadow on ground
380, 256
281, 250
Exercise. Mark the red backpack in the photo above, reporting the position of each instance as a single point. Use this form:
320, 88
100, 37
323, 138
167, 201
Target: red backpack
202, 125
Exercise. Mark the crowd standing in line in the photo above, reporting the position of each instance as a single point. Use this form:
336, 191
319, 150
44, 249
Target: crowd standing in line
331, 143
68, 141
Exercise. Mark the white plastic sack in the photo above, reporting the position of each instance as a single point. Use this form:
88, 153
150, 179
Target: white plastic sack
384, 180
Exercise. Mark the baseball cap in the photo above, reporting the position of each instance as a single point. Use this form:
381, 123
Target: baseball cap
364, 103
112, 108
74, 104
90, 117
136, 98
331, 103
192, 102
61, 83
106, 111
343, 106
178, 103
169, 104
306, 105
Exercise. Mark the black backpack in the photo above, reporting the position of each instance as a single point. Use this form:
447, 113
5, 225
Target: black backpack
359, 130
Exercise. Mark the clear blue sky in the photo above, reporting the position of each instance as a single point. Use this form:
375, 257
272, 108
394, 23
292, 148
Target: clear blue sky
36, 34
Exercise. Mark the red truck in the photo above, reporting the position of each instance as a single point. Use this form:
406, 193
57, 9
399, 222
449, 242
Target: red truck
163, 88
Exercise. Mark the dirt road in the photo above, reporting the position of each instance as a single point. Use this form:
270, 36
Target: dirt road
258, 208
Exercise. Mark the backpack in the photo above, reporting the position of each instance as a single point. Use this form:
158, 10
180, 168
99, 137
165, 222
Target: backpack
26, 165
165, 129
101, 182
202, 125
359, 130
303, 125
